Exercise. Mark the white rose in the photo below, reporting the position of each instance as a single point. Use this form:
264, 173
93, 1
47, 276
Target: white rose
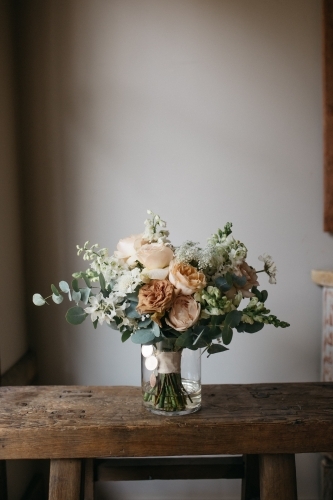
127, 248
154, 274
154, 255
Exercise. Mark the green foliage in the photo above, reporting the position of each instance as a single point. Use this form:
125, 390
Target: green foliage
215, 348
131, 311
76, 296
156, 329
76, 315
55, 291
64, 286
38, 300
75, 285
85, 294
143, 336
57, 299
125, 335
101, 281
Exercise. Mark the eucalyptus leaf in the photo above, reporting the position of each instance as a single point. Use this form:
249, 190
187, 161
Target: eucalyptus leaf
222, 284
229, 279
76, 315
64, 286
215, 332
134, 297
233, 318
257, 293
215, 348
57, 298
131, 311
264, 295
156, 329
217, 320
113, 325
38, 300
199, 336
227, 335
86, 279
143, 336
55, 291
145, 323
185, 340
101, 281
239, 280
256, 327
85, 293
75, 285
76, 296
125, 335
95, 323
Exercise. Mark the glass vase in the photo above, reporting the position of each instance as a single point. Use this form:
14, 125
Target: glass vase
171, 381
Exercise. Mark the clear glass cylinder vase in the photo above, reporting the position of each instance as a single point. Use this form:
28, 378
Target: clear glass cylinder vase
171, 381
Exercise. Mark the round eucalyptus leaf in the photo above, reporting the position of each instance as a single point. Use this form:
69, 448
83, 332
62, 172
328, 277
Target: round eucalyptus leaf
64, 286
57, 298
38, 300
76, 315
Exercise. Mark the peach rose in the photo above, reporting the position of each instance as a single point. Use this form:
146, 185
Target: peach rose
251, 280
154, 255
156, 296
186, 278
127, 248
185, 311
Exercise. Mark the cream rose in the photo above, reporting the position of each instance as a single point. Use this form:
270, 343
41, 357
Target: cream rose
127, 248
186, 278
156, 296
184, 313
154, 255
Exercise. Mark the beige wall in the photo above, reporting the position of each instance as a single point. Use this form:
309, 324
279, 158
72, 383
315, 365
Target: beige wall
205, 111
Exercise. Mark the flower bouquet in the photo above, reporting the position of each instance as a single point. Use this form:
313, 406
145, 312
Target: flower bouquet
174, 301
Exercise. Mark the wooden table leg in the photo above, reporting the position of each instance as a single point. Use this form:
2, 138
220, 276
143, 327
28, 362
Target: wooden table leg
277, 477
3, 480
65, 479
250, 482
89, 479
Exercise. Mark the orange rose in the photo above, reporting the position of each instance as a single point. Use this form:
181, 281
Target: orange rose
156, 296
186, 278
185, 311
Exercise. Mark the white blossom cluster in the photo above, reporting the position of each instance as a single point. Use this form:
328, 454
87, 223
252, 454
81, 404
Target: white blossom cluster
155, 231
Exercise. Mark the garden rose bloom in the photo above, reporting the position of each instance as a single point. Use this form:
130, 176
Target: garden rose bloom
156, 296
127, 248
251, 280
154, 255
186, 278
184, 313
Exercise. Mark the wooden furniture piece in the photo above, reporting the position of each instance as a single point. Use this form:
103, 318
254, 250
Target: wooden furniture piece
68, 424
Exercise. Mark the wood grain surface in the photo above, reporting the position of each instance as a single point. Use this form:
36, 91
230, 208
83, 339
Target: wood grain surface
278, 477
87, 422
65, 480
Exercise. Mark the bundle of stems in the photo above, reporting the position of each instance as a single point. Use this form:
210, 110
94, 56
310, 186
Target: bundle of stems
169, 393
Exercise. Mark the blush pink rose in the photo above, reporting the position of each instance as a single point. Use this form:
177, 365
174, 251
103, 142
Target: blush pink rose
184, 313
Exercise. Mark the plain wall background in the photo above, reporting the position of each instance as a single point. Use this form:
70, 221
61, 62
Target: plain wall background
205, 111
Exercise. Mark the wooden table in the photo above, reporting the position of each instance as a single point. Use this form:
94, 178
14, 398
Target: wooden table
69, 423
